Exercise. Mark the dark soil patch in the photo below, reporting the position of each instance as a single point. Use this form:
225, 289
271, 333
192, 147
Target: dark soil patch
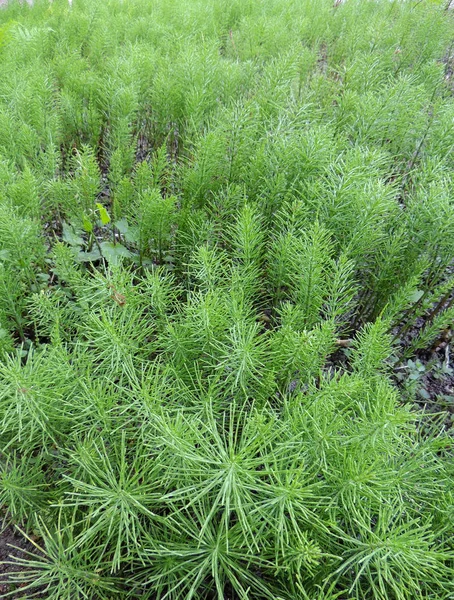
427, 379
12, 544
437, 383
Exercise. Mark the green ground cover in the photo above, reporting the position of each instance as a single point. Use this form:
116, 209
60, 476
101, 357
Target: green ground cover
221, 223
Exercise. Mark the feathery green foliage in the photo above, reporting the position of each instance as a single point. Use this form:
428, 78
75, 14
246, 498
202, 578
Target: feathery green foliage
219, 219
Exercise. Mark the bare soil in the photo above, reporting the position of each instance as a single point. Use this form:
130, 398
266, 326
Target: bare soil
12, 544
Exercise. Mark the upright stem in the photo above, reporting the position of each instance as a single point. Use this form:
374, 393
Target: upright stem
441, 304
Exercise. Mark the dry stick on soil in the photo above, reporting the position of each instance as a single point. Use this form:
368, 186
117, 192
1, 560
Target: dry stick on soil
344, 343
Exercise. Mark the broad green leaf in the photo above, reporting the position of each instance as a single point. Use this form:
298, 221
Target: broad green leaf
113, 253
104, 215
416, 295
424, 393
122, 226
87, 224
132, 235
92, 256
70, 237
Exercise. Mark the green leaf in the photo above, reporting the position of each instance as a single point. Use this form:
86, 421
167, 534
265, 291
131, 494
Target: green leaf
424, 393
129, 232
416, 295
113, 253
122, 226
132, 235
105, 218
87, 224
70, 237
92, 256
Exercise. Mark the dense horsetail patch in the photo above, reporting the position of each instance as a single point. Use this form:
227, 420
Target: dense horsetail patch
222, 224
